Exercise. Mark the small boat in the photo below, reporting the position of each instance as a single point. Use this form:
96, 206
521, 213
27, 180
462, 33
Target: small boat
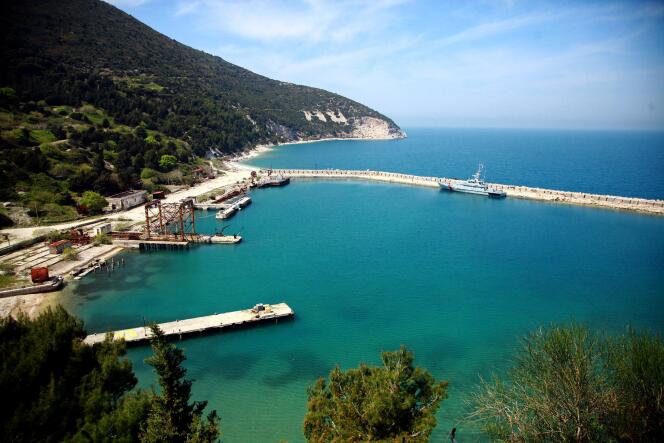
474, 185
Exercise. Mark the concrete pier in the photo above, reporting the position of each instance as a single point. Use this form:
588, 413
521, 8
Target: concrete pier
179, 328
647, 206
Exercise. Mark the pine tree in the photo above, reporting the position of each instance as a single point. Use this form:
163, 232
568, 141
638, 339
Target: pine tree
395, 402
172, 417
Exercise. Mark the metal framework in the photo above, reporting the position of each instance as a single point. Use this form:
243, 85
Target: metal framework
170, 220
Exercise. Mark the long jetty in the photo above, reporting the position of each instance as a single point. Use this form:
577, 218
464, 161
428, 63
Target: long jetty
648, 206
260, 313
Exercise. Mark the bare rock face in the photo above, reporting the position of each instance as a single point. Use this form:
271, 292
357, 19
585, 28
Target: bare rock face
341, 126
374, 128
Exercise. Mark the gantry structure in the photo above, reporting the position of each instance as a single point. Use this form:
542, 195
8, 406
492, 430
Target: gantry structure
170, 221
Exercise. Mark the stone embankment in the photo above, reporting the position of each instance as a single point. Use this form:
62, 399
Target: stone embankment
655, 207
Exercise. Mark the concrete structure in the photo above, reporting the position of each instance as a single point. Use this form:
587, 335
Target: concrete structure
58, 247
102, 229
257, 314
126, 200
53, 284
647, 206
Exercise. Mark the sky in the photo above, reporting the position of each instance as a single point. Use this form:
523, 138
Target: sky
509, 63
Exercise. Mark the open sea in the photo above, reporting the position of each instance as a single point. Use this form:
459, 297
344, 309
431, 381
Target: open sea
367, 267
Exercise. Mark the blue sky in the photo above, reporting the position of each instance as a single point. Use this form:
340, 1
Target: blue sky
524, 64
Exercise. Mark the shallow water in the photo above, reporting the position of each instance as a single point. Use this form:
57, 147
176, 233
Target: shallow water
368, 267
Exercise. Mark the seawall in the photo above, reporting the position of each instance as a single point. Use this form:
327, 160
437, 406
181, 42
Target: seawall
647, 206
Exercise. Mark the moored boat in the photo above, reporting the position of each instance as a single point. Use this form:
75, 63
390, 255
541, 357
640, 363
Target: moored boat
273, 180
474, 185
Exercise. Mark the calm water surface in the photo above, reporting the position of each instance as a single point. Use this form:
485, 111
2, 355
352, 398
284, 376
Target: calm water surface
617, 163
368, 267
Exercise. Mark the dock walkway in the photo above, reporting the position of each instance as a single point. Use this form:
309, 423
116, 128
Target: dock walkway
200, 324
648, 206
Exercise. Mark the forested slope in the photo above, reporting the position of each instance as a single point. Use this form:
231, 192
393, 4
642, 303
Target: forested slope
91, 98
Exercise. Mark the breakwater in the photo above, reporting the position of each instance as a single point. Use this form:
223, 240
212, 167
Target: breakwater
648, 206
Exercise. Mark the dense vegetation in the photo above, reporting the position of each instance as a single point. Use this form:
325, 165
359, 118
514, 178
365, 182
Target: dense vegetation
92, 99
395, 402
568, 384
55, 388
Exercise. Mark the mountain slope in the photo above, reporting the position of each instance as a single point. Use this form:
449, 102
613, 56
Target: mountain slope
93, 99
45, 37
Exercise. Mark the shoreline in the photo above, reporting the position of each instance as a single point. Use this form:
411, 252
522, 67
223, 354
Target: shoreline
262, 149
238, 171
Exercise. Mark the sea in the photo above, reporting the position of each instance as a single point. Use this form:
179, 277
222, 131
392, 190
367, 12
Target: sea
459, 279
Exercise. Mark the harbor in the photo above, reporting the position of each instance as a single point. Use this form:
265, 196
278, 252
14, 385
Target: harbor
642, 205
179, 328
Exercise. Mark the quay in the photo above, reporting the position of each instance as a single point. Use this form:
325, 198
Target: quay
230, 207
642, 205
155, 245
257, 314
241, 201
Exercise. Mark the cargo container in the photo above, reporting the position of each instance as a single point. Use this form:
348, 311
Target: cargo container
39, 275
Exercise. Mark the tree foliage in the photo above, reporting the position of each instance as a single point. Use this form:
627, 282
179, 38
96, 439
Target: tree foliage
168, 162
93, 201
392, 402
635, 364
189, 102
567, 384
55, 388
172, 417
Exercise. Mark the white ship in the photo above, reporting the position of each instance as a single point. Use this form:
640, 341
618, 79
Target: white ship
474, 185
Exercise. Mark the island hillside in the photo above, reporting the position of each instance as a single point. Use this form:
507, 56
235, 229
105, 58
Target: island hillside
93, 99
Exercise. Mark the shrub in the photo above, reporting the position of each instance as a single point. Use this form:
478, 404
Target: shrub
148, 173
52, 212
566, 384
53, 236
101, 239
69, 254
168, 162
93, 201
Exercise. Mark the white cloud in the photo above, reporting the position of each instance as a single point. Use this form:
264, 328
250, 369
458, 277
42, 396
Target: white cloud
493, 28
312, 20
489, 63
187, 7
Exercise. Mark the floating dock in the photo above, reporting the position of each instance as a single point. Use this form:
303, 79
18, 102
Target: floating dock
259, 313
230, 207
643, 205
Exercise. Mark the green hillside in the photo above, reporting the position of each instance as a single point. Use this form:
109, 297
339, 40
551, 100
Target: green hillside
91, 98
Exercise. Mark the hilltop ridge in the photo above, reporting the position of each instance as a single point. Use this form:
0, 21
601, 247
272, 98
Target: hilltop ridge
49, 38
93, 99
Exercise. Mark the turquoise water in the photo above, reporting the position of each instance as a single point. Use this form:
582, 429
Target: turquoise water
602, 162
368, 267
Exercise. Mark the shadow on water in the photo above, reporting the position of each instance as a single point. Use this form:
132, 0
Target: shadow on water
300, 364
236, 366
355, 313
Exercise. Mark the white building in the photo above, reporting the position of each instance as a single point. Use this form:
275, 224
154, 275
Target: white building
126, 200
102, 229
